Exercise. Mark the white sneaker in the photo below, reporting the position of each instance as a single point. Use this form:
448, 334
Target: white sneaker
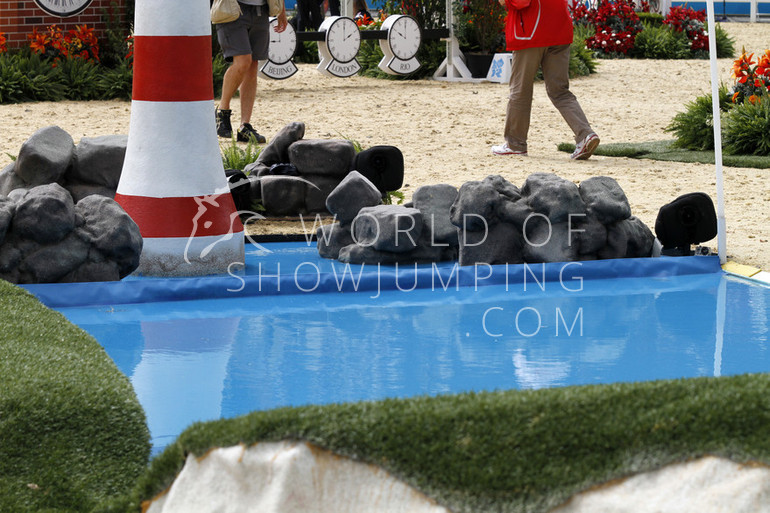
503, 149
585, 148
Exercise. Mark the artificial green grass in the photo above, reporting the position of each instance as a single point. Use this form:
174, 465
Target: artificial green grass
513, 450
72, 433
665, 150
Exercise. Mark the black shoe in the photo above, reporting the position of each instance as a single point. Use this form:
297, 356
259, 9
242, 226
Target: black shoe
247, 133
224, 128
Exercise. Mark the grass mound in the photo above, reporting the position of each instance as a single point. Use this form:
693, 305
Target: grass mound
513, 450
665, 150
72, 433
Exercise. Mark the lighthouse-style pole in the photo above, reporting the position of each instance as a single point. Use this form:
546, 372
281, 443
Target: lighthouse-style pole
173, 183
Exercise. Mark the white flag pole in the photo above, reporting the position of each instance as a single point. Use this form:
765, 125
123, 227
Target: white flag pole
721, 227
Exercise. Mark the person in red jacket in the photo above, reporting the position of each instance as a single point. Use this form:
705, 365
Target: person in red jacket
539, 32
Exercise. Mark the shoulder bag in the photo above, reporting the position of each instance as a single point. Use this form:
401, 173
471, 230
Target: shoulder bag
223, 11
275, 7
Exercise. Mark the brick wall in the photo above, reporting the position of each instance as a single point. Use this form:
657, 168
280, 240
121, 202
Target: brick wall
19, 17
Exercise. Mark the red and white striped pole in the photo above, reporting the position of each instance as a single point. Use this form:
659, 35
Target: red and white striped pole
173, 183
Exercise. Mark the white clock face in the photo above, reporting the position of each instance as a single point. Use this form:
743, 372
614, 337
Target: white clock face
404, 37
283, 45
343, 39
63, 8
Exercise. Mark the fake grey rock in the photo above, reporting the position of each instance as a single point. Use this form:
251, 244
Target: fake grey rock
45, 156
80, 191
503, 186
46, 214
355, 254
94, 271
318, 190
110, 230
551, 243
99, 161
327, 157
50, 263
590, 233
435, 201
352, 194
629, 238
277, 150
17, 195
388, 228
10, 181
475, 206
10, 257
283, 195
605, 199
423, 253
7, 209
553, 196
515, 212
501, 243
332, 238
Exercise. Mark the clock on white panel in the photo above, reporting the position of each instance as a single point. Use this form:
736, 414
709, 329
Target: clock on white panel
63, 8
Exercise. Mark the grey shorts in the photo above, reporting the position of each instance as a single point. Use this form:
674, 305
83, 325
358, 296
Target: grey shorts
249, 34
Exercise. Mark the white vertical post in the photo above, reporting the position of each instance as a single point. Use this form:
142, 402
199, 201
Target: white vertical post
346, 8
453, 68
721, 228
753, 11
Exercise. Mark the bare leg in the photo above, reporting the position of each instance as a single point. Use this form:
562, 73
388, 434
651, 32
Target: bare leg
248, 91
234, 76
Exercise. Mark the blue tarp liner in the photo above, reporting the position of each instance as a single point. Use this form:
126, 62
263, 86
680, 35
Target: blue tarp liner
196, 351
296, 268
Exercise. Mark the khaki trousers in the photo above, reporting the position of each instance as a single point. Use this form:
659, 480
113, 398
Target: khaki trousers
555, 63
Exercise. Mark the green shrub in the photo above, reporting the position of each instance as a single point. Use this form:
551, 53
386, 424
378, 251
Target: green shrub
581, 59
369, 56
694, 128
117, 82
81, 78
26, 77
43, 82
661, 42
746, 128
235, 157
725, 43
653, 19
11, 79
71, 429
307, 52
218, 65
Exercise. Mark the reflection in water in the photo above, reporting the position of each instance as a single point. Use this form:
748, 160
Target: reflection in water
220, 358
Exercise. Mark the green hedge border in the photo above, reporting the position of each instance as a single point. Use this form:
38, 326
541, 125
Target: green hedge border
72, 432
513, 450
667, 151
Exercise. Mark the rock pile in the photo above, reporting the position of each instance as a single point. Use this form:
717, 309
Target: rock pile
295, 176
549, 219
491, 221
58, 221
50, 156
369, 232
